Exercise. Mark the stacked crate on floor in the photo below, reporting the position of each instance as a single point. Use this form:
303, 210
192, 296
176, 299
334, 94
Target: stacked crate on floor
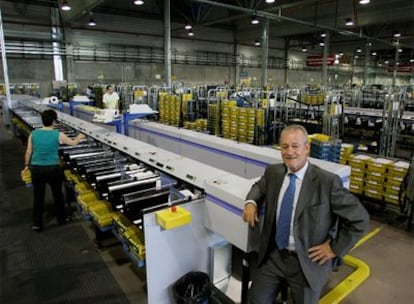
395, 176
375, 177
242, 125
234, 123
260, 127
346, 151
251, 124
213, 119
201, 124
174, 110
358, 163
226, 105
163, 106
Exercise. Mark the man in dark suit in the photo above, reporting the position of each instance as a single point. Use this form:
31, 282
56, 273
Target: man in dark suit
309, 220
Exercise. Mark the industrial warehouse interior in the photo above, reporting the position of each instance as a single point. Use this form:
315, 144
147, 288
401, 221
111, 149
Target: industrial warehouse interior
182, 105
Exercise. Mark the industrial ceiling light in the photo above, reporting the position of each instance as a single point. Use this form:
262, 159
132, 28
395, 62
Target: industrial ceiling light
400, 50
374, 53
188, 26
256, 42
190, 32
65, 6
397, 35
254, 19
411, 60
341, 53
363, 2
386, 62
358, 50
270, 1
304, 49
138, 2
322, 43
92, 22
323, 35
349, 22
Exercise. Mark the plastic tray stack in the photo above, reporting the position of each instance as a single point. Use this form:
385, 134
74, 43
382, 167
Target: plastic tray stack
226, 105
213, 119
375, 177
395, 176
358, 163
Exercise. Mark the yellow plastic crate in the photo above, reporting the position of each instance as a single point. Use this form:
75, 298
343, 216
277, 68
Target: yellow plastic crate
393, 181
357, 181
375, 176
379, 165
373, 193
355, 188
357, 172
83, 187
378, 188
399, 168
392, 190
390, 198
359, 160
121, 223
103, 217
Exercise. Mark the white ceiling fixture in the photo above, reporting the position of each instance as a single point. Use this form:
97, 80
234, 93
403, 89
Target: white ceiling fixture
270, 1
364, 2
254, 19
138, 2
349, 22
188, 26
257, 43
65, 6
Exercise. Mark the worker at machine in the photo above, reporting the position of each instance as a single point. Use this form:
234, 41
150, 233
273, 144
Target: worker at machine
310, 220
43, 160
110, 99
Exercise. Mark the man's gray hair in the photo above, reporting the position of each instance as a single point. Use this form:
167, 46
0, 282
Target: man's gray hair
296, 128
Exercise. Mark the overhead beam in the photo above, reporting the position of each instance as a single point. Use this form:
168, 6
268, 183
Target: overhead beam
79, 8
279, 16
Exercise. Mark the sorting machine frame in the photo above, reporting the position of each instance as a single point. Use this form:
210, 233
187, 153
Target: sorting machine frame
172, 253
204, 243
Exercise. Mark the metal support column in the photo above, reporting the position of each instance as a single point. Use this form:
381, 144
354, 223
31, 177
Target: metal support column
237, 63
366, 64
265, 52
286, 58
57, 45
394, 74
5, 69
325, 59
167, 42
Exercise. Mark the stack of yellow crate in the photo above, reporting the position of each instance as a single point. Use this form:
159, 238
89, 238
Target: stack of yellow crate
226, 105
121, 224
260, 123
358, 163
251, 124
346, 151
375, 177
395, 176
213, 119
242, 125
234, 123
201, 124
184, 99
102, 215
163, 106
135, 242
174, 110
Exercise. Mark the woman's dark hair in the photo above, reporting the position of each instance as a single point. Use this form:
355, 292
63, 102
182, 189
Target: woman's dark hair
108, 87
48, 117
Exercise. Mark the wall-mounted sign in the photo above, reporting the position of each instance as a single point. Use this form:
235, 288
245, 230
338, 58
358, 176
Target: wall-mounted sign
317, 60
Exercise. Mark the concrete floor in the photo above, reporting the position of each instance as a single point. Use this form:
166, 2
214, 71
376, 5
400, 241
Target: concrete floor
389, 255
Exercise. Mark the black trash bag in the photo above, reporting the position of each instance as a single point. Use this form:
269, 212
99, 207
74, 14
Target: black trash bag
192, 288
